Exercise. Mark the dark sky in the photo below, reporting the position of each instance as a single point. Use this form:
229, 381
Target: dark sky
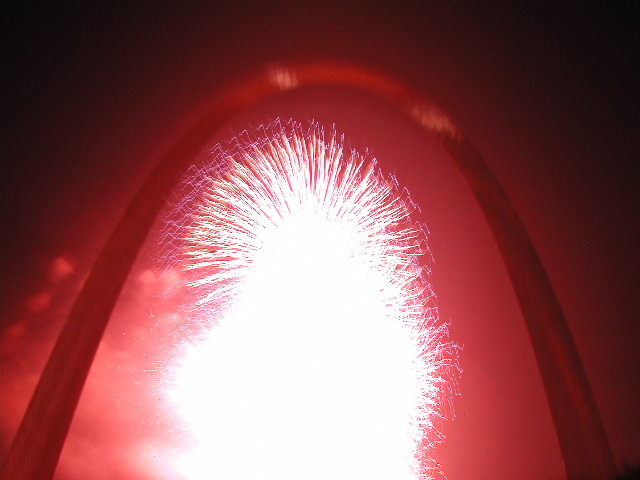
92, 97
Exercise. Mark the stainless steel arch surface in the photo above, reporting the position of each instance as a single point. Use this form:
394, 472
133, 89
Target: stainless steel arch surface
38, 443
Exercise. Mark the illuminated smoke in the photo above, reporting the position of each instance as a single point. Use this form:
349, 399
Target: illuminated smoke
322, 357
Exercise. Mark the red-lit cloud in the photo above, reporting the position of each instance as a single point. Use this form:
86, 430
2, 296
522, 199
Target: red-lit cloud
122, 427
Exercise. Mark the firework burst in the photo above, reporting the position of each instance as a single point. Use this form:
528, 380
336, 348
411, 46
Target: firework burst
322, 356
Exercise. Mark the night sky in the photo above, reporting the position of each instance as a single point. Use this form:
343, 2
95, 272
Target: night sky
93, 97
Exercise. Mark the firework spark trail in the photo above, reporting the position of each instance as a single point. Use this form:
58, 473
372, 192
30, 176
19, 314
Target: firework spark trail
323, 357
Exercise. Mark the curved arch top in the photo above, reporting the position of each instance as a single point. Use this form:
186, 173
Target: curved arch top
39, 440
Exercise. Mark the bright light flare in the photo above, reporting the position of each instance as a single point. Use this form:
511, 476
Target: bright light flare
321, 358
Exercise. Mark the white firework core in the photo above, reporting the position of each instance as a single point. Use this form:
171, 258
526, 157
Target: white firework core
322, 358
